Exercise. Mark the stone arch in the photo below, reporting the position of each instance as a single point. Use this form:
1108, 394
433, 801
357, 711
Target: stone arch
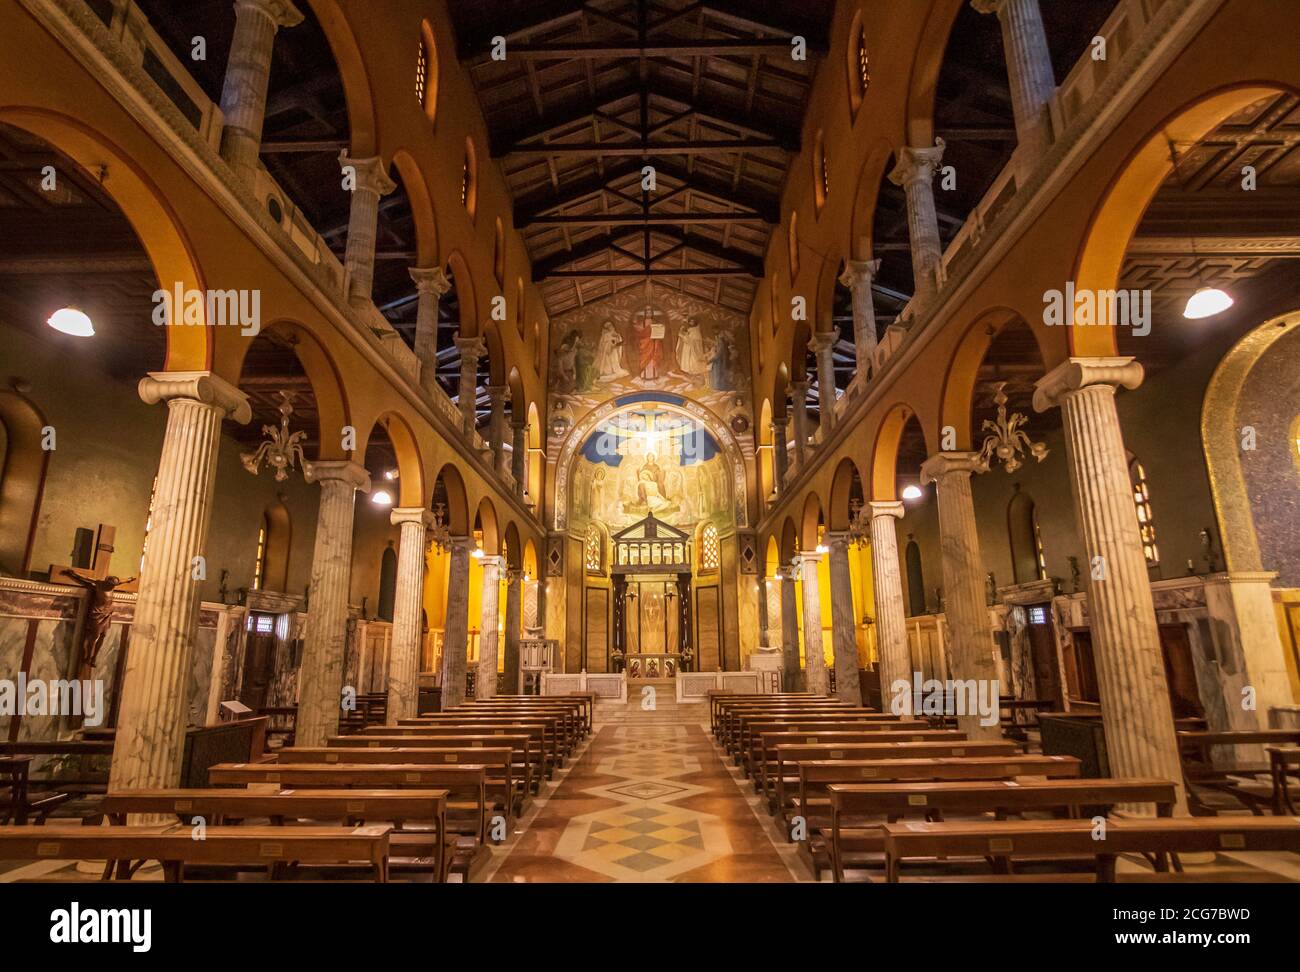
449, 489
485, 518
422, 211
789, 541
766, 461
433, 71
846, 485
356, 80
884, 453
780, 392
458, 268
278, 524
1117, 215
878, 162
963, 367
150, 214
410, 467
813, 518
926, 64
513, 549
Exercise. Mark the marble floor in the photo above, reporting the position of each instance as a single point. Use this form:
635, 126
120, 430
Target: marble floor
648, 800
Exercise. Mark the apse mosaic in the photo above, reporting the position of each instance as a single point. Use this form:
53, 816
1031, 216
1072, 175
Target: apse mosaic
650, 460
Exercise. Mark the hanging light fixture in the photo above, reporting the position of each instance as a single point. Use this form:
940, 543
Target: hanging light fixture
280, 449
912, 492
1207, 301
381, 497
73, 321
1007, 440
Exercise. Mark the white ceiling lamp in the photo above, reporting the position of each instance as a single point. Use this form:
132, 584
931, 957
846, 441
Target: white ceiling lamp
381, 497
73, 321
391, 474
912, 492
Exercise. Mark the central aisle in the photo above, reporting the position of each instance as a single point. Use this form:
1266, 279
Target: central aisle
648, 800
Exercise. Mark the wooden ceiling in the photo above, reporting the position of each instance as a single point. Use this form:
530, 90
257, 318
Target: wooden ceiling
590, 93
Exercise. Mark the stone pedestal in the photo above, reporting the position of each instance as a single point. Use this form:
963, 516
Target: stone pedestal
514, 599
320, 680
248, 73
1029, 68
858, 276
431, 285
489, 628
372, 182
843, 620
963, 584
1135, 703
404, 657
455, 639
153, 713
792, 681
891, 614
814, 658
915, 174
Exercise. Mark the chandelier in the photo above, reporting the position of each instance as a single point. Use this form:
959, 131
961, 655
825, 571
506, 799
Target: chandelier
1007, 439
439, 535
859, 530
282, 449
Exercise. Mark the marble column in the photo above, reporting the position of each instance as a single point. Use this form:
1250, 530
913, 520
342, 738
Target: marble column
489, 628
154, 709
320, 680
372, 181
793, 680
915, 173
823, 346
763, 633
1135, 704
799, 392
455, 637
519, 456
408, 613
891, 615
1242, 602
431, 285
844, 623
497, 426
248, 73
471, 350
514, 599
858, 276
1029, 67
814, 658
963, 585
780, 453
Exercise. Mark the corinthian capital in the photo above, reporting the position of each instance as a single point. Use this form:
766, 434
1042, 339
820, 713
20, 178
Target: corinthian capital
431, 281
917, 165
859, 273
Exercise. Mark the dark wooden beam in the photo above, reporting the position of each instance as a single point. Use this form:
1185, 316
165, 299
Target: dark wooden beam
332, 145
653, 272
625, 150
643, 219
606, 50
519, 23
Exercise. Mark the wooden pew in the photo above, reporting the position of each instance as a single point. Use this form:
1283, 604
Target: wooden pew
553, 738
718, 700
1007, 840
1284, 762
765, 737
855, 801
729, 713
568, 718
541, 735
527, 750
1233, 777
585, 703
733, 720
741, 726
255, 848
220, 807
504, 786
466, 802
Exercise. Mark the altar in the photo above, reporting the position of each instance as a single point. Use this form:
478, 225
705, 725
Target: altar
652, 665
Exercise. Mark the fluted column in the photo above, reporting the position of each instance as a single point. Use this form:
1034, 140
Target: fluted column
763, 641
431, 285
455, 638
963, 584
404, 657
154, 709
799, 392
519, 456
1135, 706
1029, 67
891, 616
858, 276
497, 425
814, 657
372, 181
489, 627
320, 680
844, 623
514, 599
823, 346
915, 173
780, 453
789, 629
248, 73
471, 350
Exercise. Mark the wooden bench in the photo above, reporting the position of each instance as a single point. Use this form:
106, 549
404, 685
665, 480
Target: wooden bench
466, 786
552, 737
729, 715
762, 743
527, 751
567, 718
222, 807
1283, 762
541, 736
744, 737
252, 848
718, 700
583, 701
1237, 779
734, 722
1006, 840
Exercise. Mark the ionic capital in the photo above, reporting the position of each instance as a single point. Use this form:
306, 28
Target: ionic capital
917, 165
200, 386
432, 282
1074, 374
401, 515
471, 347
942, 465
282, 13
372, 174
823, 341
859, 273
885, 508
339, 470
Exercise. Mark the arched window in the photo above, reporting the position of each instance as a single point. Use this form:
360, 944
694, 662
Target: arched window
915, 580
387, 583
794, 246
1146, 520
422, 73
259, 559
594, 551
1027, 560
710, 549
519, 305
426, 72
499, 254
469, 180
821, 172
858, 63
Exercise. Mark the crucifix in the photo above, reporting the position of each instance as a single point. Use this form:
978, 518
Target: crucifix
98, 618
